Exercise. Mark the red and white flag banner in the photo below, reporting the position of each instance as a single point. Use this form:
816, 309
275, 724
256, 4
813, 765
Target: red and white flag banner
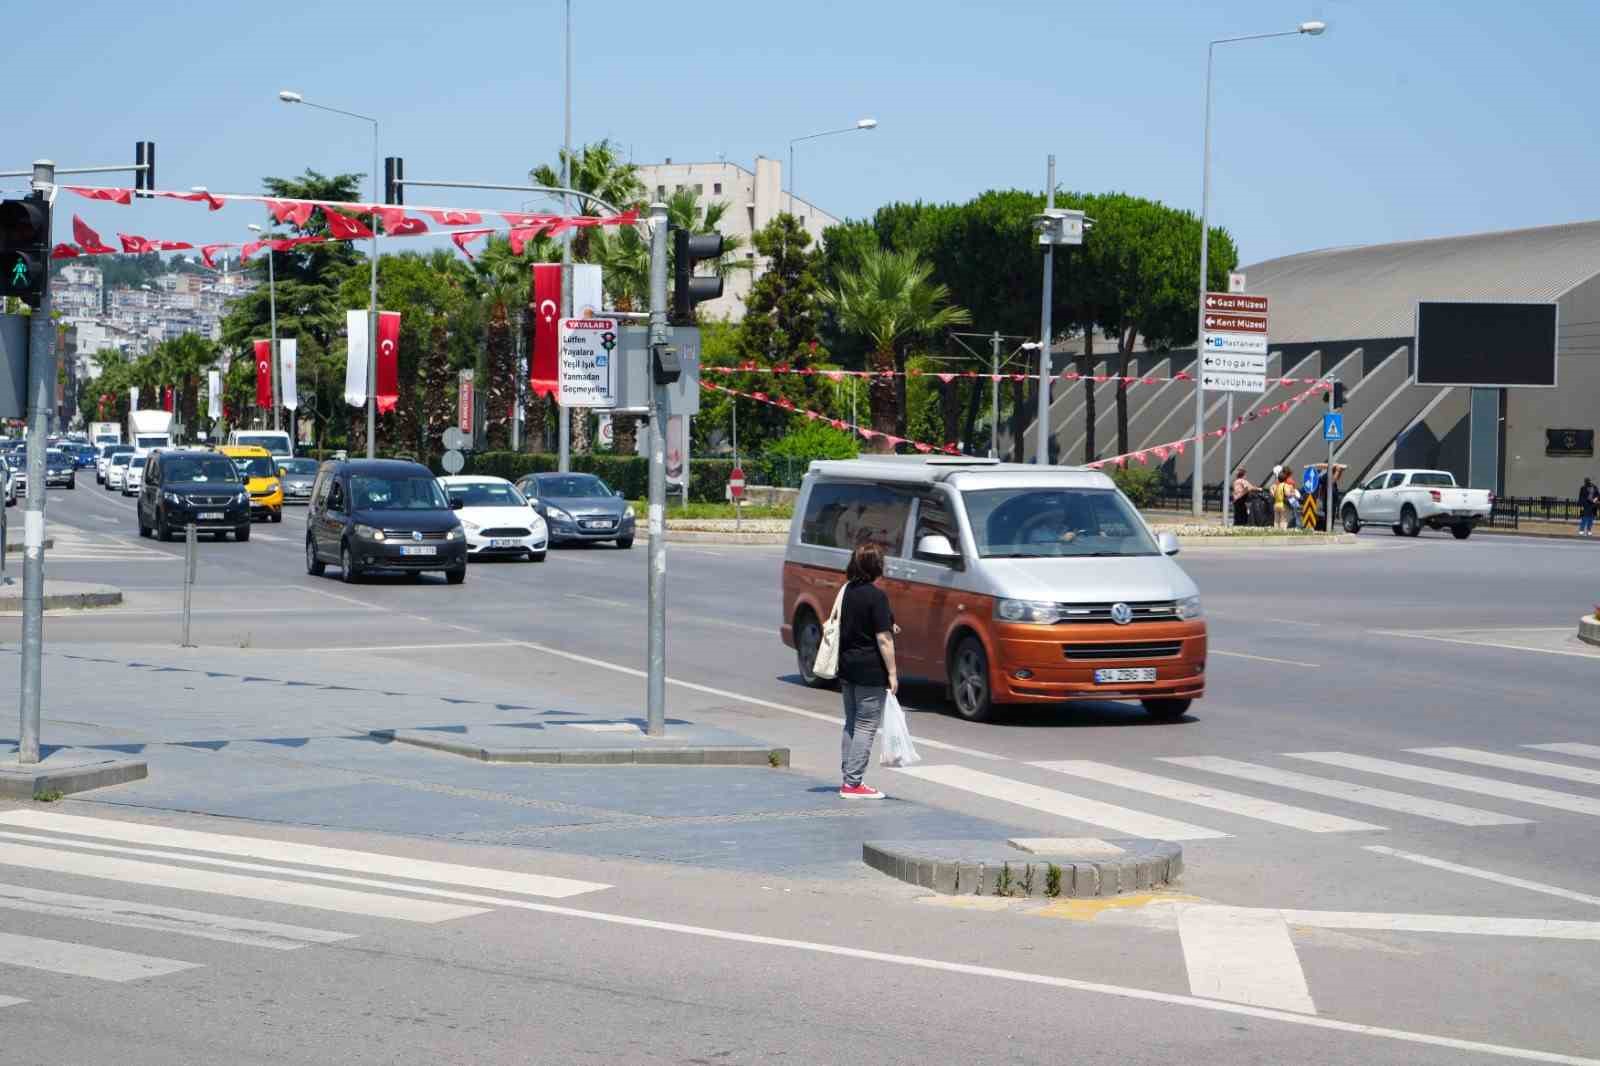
1164, 451
968, 375
542, 368
785, 404
263, 373
388, 361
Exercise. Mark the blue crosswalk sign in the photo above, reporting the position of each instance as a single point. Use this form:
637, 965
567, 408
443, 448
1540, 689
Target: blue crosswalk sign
1333, 426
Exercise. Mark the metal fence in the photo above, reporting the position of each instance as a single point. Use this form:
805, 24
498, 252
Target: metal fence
1541, 508
1180, 499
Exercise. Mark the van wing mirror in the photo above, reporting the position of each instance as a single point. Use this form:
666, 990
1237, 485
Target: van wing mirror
456, 503
936, 548
1168, 543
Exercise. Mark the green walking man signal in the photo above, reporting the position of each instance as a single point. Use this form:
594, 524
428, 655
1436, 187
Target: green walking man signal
24, 248
19, 272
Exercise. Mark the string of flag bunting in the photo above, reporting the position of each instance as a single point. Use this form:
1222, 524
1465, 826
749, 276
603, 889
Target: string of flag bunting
343, 225
785, 404
964, 375
1163, 452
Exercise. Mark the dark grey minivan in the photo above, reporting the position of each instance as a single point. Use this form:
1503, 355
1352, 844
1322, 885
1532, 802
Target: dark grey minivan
382, 514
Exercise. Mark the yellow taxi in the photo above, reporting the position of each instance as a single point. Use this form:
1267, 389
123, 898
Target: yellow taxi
260, 472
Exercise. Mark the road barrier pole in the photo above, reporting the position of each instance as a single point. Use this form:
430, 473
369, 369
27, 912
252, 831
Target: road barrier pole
190, 562
656, 679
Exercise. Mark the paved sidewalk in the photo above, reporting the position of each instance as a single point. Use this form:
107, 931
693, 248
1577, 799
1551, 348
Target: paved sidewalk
277, 737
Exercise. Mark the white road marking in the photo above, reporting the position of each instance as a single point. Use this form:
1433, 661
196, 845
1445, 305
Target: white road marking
1204, 796
1582, 774
1483, 643
336, 596
348, 648
1070, 984
10, 1001
1486, 786
270, 536
1539, 928
1347, 791
1243, 955
1088, 847
81, 960
1264, 659
246, 931
1062, 804
1586, 751
602, 727
291, 893
1486, 875
597, 600
366, 862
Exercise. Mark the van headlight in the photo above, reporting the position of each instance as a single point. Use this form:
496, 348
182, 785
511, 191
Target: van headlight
368, 532
1189, 607
1041, 612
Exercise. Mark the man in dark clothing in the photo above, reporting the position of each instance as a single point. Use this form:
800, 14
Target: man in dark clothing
1588, 503
867, 671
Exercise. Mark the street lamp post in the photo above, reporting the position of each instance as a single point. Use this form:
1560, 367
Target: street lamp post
861, 124
272, 305
1197, 499
289, 97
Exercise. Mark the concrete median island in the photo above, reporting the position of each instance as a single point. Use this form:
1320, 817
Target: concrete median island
1024, 867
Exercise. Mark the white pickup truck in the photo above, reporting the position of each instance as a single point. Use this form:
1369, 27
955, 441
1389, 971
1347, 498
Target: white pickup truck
1407, 500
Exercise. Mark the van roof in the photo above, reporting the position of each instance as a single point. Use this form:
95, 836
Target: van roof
964, 471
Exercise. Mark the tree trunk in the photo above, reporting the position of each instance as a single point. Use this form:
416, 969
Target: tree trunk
1124, 348
1088, 386
973, 401
950, 407
901, 414
582, 437
625, 434
883, 400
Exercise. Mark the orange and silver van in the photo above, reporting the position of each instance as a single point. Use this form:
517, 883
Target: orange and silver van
1011, 583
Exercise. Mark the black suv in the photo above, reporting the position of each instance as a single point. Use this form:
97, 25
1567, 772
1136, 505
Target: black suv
382, 514
184, 485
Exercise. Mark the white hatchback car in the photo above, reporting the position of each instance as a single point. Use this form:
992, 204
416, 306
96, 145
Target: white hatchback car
116, 470
498, 520
133, 475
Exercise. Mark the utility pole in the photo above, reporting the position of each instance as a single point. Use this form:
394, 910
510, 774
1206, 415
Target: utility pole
994, 394
656, 684
1043, 427
563, 413
41, 404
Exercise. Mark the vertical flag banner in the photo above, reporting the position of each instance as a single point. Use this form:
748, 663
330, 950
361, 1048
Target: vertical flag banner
133, 398
355, 365
544, 370
388, 361
214, 390
288, 358
588, 295
166, 399
263, 373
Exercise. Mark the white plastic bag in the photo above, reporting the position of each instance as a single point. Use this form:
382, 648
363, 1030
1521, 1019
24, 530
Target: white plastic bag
826, 664
897, 747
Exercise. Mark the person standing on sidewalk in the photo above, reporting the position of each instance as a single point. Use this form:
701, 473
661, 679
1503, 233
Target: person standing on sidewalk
867, 671
1241, 497
1588, 503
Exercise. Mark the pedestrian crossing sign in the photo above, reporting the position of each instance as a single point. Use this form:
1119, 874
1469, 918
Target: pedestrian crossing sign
1333, 426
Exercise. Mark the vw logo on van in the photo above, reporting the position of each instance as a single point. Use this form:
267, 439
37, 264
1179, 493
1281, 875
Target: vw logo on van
416, 534
1121, 613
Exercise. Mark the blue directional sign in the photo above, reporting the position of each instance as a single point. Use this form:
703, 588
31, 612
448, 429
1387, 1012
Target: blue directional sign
1333, 426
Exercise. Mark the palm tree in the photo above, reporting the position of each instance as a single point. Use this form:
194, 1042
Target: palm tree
891, 300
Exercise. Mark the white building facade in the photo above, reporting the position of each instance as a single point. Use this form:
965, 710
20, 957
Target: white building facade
754, 199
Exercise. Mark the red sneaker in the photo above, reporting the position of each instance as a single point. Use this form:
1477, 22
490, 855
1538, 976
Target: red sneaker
860, 792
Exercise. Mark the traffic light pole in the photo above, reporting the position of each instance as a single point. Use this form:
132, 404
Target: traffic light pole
656, 684
41, 401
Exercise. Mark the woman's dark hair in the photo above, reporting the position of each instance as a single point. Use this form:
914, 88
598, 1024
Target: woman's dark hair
866, 562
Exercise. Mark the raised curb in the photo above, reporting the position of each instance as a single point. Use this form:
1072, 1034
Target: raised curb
1589, 630
990, 868
30, 782
708, 755
62, 595
1241, 542
706, 536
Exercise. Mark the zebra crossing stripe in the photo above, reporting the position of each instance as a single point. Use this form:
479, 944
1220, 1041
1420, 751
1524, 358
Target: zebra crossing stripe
1582, 774
1204, 796
1347, 791
1486, 786
1586, 751
245, 931
82, 960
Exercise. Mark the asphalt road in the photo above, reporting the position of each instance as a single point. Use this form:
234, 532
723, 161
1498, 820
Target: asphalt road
1301, 782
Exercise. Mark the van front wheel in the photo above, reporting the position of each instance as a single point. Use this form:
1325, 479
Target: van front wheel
807, 639
969, 681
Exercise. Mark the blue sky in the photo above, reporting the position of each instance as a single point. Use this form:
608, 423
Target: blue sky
1410, 118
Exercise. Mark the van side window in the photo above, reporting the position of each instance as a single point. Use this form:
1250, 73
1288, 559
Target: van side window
152, 473
336, 497
843, 515
933, 519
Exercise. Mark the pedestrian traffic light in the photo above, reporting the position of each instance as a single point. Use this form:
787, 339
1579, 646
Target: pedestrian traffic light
144, 167
687, 289
394, 177
24, 248
1336, 396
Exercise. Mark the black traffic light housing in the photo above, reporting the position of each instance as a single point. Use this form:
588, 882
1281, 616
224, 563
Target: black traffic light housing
394, 177
25, 248
144, 163
687, 289
666, 365
1336, 396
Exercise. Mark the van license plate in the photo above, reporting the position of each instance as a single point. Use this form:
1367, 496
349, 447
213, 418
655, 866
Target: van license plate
1124, 674
209, 516
426, 549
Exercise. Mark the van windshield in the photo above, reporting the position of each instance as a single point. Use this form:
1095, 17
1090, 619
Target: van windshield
403, 493
1051, 523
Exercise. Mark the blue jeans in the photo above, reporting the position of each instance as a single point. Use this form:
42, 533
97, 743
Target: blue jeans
1585, 523
863, 713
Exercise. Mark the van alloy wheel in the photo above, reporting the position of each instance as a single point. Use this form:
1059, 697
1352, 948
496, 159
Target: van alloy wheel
807, 640
969, 681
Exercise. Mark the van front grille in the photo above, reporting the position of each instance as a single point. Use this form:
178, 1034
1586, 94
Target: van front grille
1163, 649
1143, 611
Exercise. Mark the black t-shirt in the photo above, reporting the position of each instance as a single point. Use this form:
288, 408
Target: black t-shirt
864, 614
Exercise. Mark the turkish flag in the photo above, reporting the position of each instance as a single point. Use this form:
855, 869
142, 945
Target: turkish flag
250, 249
88, 239
170, 246
213, 202
455, 218
63, 251
297, 212
462, 238
406, 227
131, 243
344, 228
209, 251
388, 361
263, 373
518, 220
166, 398
546, 328
116, 196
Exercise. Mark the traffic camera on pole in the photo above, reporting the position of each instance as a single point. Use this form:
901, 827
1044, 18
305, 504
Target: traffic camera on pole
25, 248
687, 288
394, 178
